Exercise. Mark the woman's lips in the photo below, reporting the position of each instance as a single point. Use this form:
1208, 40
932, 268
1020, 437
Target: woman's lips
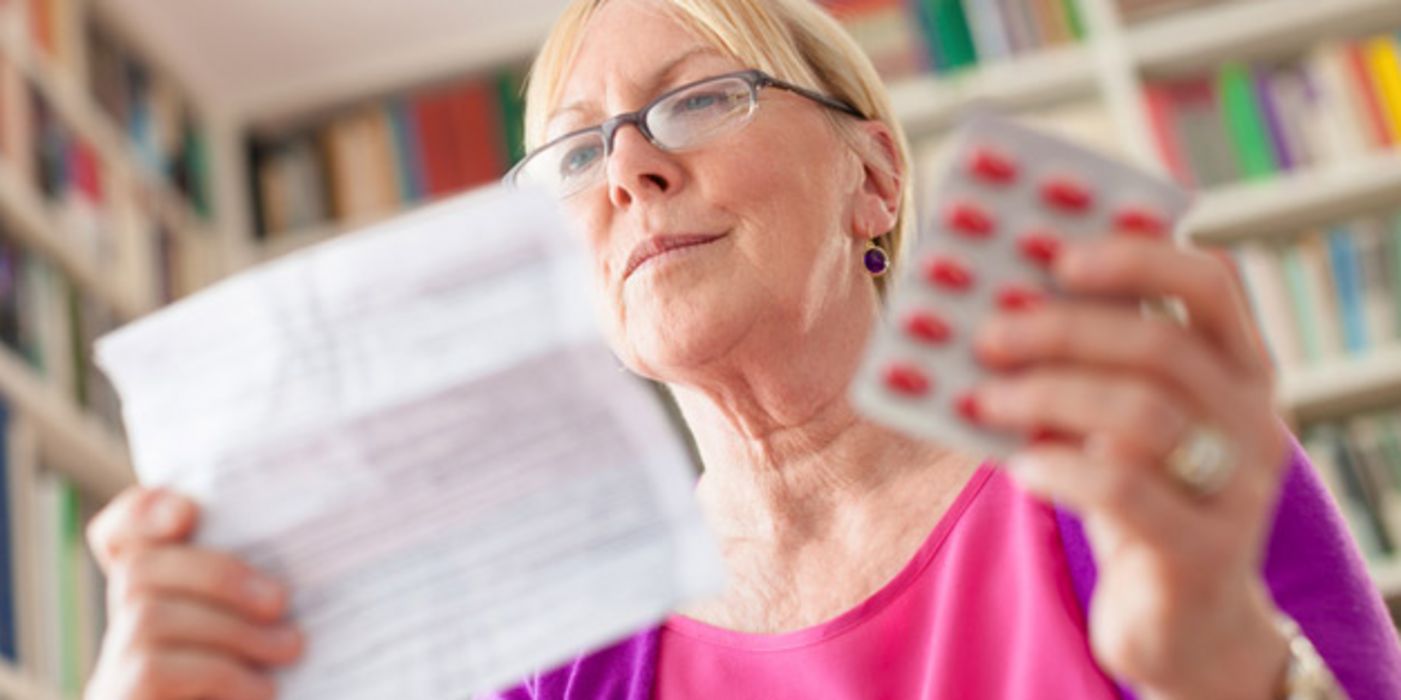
656, 245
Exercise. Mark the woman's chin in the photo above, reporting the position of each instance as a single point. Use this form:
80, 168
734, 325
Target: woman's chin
661, 345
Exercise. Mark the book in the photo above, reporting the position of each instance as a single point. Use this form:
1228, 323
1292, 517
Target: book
1340, 125
1369, 237
1321, 287
1244, 123
1267, 290
1360, 495
476, 121
946, 25
508, 94
988, 24
1364, 442
1272, 119
1158, 104
408, 151
1347, 280
1384, 65
1319, 442
1360, 78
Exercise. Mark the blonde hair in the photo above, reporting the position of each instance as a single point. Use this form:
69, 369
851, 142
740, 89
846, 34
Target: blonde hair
793, 40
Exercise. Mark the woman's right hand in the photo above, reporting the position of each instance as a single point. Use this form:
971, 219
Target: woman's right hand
182, 622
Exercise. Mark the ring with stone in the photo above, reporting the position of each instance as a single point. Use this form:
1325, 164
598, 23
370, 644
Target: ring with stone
1203, 461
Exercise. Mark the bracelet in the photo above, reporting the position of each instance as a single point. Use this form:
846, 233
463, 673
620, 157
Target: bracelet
1307, 677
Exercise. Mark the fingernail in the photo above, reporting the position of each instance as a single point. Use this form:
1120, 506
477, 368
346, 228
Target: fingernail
164, 516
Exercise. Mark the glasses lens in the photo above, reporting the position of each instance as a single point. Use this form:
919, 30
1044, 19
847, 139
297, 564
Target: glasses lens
701, 112
566, 166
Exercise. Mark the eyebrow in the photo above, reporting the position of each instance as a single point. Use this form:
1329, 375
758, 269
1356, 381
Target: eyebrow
661, 77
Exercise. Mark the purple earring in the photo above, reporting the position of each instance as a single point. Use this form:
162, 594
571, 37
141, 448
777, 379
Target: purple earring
877, 262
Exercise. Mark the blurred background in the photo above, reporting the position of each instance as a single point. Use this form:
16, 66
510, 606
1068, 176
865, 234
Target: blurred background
151, 147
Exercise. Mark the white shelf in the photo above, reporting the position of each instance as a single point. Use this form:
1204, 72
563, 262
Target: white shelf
1200, 38
1343, 384
1295, 201
15, 685
930, 103
73, 442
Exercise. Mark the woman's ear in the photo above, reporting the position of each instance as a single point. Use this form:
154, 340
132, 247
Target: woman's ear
882, 177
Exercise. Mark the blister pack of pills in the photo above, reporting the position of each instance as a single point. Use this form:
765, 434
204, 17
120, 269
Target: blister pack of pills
1004, 203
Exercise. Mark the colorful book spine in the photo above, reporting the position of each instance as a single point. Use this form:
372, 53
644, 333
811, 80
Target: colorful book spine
946, 26
1384, 64
1272, 120
1343, 256
407, 149
1359, 75
1244, 124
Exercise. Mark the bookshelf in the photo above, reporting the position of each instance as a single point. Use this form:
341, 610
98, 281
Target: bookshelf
1108, 69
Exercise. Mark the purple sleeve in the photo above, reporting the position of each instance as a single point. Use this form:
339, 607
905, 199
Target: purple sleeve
1317, 575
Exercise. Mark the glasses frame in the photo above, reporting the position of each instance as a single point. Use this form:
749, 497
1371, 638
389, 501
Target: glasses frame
756, 79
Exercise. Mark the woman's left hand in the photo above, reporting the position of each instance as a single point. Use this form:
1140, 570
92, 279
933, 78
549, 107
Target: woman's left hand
1180, 608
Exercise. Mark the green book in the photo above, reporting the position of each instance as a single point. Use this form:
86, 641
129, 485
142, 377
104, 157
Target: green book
69, 558
1244, 124
1301, 302
508, 90
1072, 16
195, 154
951, 34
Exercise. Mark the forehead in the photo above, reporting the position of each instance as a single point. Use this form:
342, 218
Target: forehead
627, 53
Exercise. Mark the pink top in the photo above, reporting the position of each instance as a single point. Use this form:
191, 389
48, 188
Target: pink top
985, 609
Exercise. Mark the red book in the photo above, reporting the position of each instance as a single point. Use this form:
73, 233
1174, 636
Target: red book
434, 121
480, 140
1162, 120
1361, 80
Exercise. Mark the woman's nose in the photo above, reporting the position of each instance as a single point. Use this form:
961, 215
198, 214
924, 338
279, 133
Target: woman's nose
637, 169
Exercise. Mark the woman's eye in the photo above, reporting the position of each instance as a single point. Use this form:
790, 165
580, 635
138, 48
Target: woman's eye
578, 159
699, 101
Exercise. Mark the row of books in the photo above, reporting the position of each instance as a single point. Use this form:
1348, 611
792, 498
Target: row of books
51, 590
909, 37
374, 159
1250, 122
52, 324
1327, 294
1359, 460
153, 112
107, 222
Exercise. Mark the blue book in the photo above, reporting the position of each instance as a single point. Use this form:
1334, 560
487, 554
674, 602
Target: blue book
8, 630
406, 147
1348, 280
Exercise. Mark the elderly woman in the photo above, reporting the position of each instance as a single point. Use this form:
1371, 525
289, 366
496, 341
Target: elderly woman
736, 166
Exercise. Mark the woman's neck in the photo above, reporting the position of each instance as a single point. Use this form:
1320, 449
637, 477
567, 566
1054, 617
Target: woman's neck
787, 459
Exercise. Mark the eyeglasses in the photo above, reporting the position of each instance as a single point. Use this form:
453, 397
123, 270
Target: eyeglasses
679, 119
